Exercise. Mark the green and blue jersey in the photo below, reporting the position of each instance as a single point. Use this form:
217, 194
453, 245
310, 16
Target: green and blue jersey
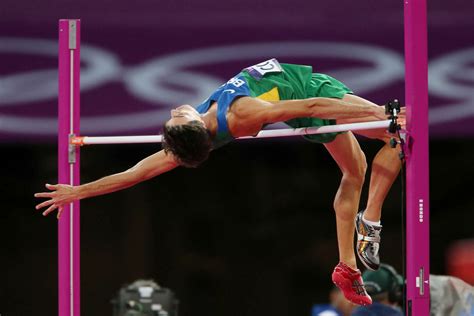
272, 81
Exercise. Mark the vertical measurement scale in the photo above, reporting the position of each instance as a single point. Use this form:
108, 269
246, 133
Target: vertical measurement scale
68, 166
417, 163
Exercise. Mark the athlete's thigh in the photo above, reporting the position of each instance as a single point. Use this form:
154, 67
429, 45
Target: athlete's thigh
347, 153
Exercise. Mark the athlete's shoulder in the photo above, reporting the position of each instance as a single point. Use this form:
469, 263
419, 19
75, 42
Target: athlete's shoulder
226, 93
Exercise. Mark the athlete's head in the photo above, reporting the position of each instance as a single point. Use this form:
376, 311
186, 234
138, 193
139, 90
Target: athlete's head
186, 137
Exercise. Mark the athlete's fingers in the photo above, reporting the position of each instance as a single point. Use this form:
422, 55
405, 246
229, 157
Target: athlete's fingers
51, 186
44, 194
50, 209
60, 211
44, 204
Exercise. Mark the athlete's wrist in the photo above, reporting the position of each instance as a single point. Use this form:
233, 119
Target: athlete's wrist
79, 192
379, 112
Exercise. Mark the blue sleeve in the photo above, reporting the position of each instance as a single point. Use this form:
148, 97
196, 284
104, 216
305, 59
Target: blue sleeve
324, 309
362, 311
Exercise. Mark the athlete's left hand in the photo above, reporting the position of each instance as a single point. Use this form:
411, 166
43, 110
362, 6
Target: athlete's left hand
59, 195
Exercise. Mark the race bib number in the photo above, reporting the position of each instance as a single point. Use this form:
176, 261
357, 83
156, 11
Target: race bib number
259, 70
236, 82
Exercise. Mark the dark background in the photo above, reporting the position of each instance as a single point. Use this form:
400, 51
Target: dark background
252, 231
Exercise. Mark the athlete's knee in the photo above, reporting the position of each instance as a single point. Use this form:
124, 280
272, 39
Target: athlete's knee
356, 172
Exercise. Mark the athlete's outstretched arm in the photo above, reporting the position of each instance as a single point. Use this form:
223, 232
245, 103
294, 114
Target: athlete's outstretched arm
324, 108
62, 194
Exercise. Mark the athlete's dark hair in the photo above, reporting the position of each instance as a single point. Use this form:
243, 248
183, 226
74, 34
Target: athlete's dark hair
189, 143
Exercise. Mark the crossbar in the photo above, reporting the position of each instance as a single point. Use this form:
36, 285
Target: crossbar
143, 139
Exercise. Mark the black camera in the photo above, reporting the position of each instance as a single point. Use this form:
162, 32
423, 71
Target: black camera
145, 298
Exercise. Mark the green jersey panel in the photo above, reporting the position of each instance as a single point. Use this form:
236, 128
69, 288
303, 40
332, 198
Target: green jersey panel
298, 82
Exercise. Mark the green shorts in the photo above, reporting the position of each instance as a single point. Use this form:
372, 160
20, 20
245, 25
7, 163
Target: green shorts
321, 86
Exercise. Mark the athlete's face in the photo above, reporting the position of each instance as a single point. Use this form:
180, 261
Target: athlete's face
184, 114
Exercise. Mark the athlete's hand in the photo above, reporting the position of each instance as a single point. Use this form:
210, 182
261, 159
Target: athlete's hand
402, 118
60, 195
403, 111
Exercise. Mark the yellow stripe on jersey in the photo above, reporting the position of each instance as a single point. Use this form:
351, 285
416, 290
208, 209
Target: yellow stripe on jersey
271, 95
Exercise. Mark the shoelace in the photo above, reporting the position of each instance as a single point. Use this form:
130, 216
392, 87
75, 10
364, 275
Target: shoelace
358, 287
372, 232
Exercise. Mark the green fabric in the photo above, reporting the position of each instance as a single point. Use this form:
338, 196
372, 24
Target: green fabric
292, 83
382, 280
321, 86
298, 82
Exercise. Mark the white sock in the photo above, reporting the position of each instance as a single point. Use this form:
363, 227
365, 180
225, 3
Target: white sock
370, 222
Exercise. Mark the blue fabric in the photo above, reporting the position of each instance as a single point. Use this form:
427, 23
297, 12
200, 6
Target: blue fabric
324, 309
224, 96
376, 309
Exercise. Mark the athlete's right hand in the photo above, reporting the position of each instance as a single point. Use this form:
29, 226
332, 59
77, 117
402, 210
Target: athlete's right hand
60, 195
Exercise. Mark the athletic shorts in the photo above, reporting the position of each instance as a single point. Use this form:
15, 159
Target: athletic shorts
321, 86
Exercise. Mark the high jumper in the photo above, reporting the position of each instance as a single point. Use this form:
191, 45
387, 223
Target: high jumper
259, 95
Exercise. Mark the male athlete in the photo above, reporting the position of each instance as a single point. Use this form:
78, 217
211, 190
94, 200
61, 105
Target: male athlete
266, 93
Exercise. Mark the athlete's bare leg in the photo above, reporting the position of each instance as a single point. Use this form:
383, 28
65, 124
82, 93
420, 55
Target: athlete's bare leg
385, 166
351, 160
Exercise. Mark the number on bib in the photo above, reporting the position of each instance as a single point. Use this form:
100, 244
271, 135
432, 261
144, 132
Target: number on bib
259, 70
236, 82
